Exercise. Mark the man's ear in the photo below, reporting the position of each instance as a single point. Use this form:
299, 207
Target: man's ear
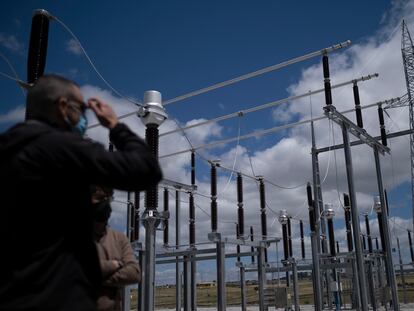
62, 107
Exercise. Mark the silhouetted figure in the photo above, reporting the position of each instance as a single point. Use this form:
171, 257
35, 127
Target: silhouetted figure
49, 259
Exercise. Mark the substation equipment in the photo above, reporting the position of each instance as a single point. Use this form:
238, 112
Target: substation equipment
362, 278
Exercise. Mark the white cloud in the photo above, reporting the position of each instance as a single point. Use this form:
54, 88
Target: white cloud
73, 46
14, 115
288, 162
11, 43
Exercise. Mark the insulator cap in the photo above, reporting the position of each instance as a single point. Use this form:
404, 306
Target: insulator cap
329, 212
377, 204
152, 111
283, 217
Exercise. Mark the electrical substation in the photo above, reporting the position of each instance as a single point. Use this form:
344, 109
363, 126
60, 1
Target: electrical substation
360, 277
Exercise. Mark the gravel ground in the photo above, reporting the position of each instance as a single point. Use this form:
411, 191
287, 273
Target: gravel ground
403, 307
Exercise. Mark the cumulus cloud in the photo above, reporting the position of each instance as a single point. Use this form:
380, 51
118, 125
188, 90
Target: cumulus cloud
286, 165
73, 46
11, 43
14, 115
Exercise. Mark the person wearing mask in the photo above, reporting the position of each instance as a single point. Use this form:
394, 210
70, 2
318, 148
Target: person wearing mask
117, 260
49, 259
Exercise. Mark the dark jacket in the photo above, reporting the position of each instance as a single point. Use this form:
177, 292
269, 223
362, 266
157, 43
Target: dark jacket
48, 258
113, 245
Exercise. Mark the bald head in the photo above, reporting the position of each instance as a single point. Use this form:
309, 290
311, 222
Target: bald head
42, 98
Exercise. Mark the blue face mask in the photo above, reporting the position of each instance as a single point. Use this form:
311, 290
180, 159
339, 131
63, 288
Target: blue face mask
81, 126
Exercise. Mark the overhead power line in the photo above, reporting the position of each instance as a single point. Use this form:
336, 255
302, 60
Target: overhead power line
245, 76
268, 105
258, 72
265, 132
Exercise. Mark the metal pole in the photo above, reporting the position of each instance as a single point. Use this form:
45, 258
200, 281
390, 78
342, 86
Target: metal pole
410, 242
261, 273
295, 284
193, 238
318, 210
402, 272
149, 223
277, 264
152, 107
371, 286
386, 231
243, 288
178, 284
187, 284
316, 276
355, 221
141, 288
126, 290
334, 283
221, 276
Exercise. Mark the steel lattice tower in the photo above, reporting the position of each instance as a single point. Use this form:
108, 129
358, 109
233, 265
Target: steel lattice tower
407, 50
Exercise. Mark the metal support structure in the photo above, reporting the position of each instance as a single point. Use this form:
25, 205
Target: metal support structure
126, 296
285, 249
193, 263
402, 274
360, 142
178, 284
360, 276
149, 220
192, 236
187, 283
295, 284
386, 232
329, 214
361, 134
410, 242
221, 277
407, 50
243, 293
316, 275
371, 286
141, 287
152, 114
320, 225
261, 272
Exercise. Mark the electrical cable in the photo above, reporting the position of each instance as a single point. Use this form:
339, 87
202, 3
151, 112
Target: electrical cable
336, 173
330, 125
258, 72
263, 132
21, 83
266, 105
14, 73
52, 17
234, 164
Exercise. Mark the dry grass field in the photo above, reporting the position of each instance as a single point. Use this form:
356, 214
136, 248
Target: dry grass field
206, 296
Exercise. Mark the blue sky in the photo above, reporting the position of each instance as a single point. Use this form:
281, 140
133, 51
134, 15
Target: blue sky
179, 46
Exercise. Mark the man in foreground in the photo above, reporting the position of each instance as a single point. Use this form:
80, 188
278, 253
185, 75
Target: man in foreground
49, 260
